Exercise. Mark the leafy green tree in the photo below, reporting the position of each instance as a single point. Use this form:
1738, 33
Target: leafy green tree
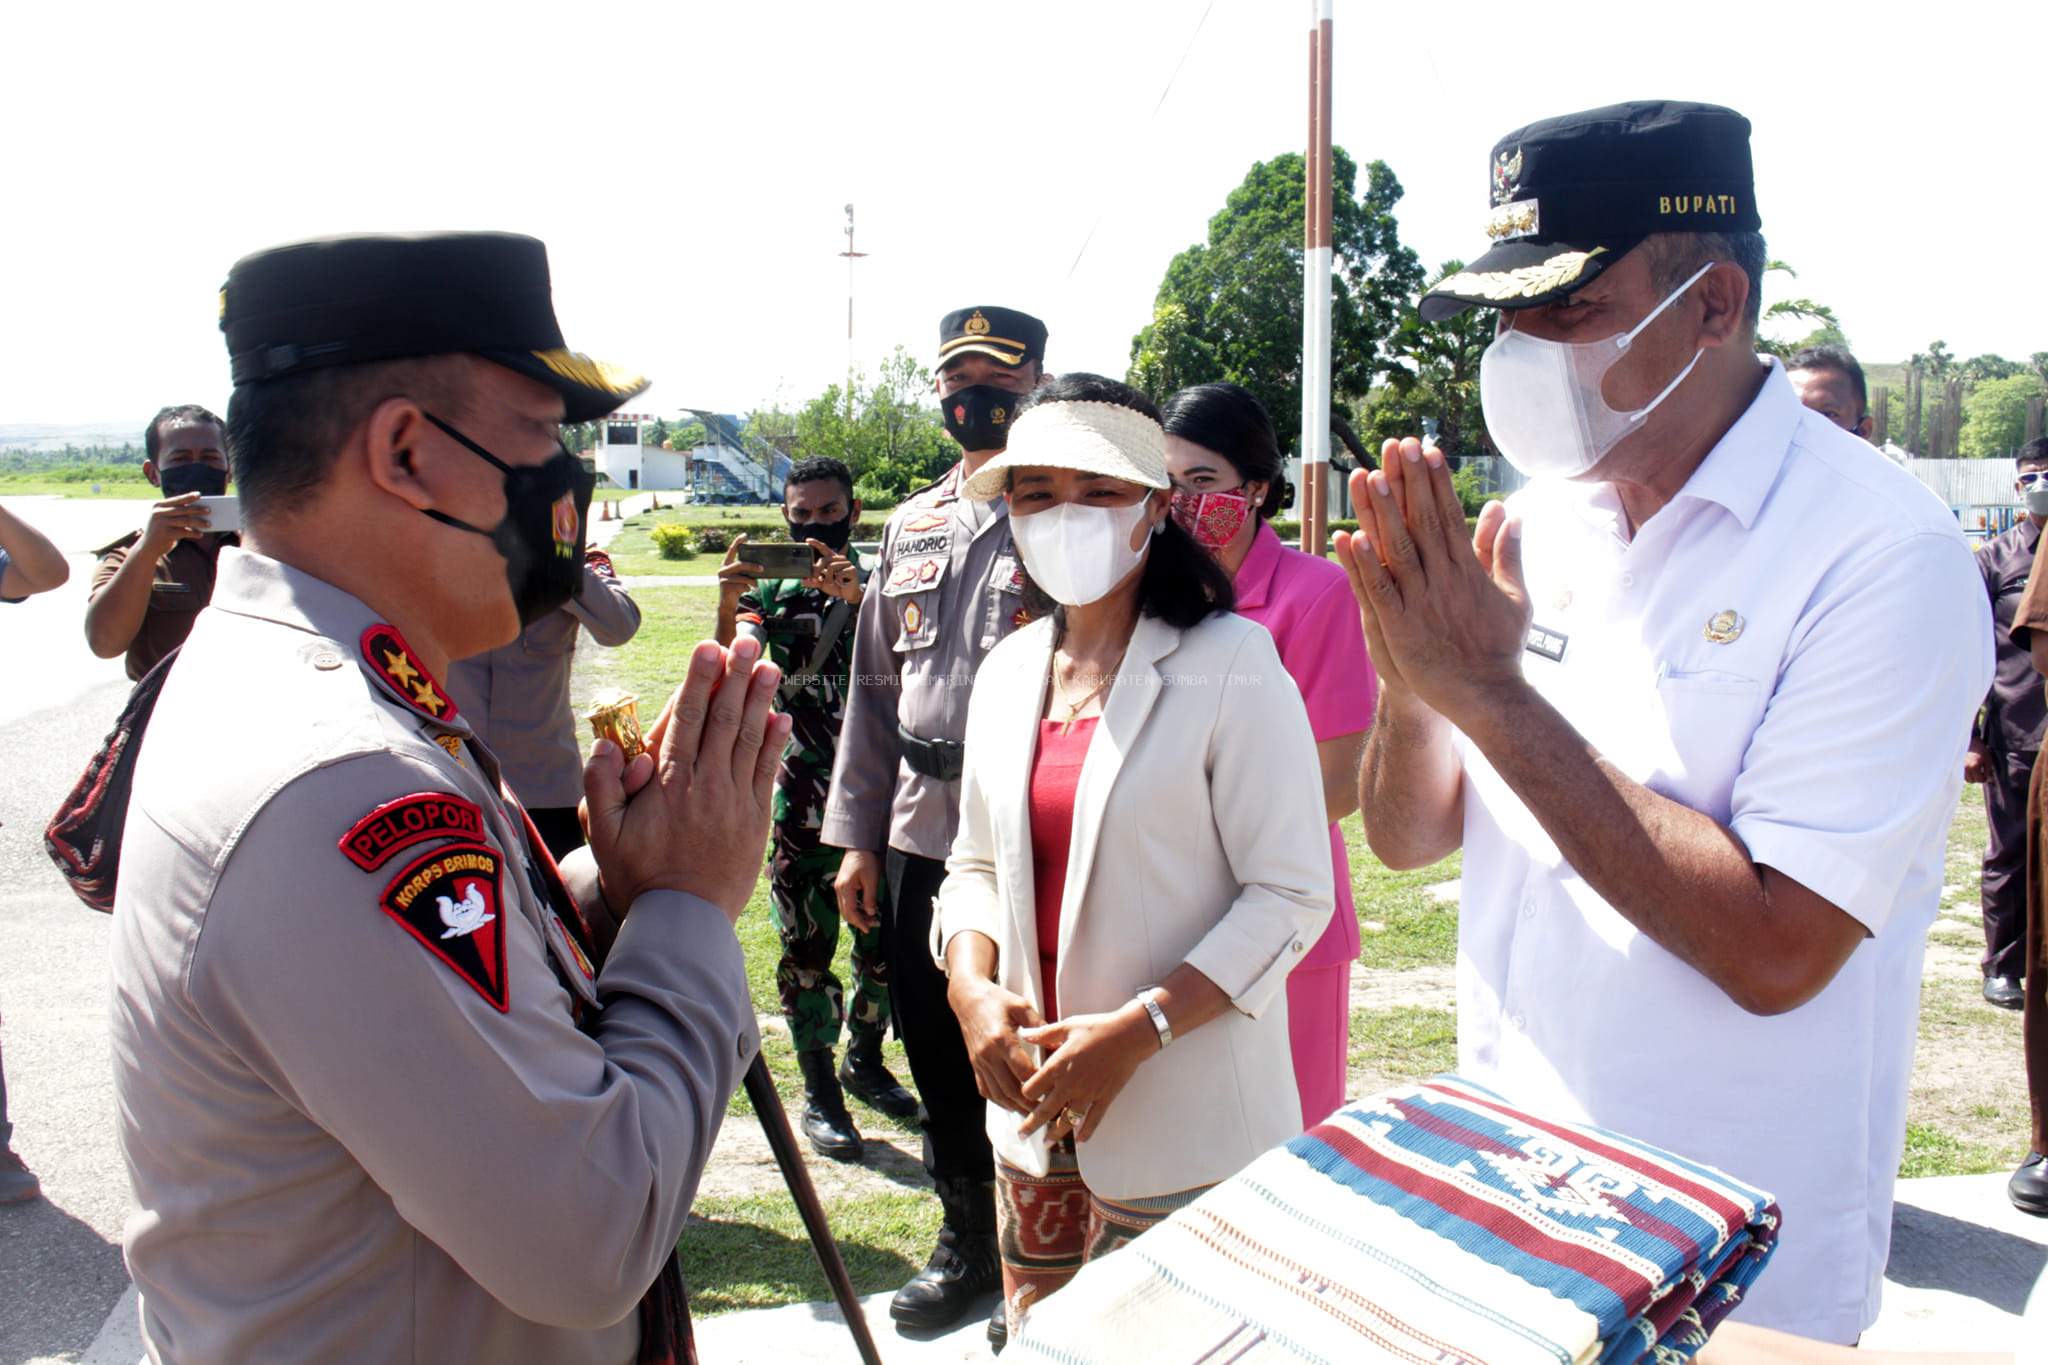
1230, 308
887, 430
1437, 377
1995, 415
1979, 368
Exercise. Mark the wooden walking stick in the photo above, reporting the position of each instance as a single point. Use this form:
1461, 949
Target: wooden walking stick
782, 1141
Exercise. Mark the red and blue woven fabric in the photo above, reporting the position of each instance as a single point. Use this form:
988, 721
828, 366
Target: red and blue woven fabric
1434, 1222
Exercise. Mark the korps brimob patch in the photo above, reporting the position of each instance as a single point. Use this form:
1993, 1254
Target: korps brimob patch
448, 900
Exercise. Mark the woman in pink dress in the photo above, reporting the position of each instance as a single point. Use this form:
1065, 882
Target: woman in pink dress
1224, 459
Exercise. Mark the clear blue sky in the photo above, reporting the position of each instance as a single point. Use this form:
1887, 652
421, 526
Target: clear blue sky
687, 163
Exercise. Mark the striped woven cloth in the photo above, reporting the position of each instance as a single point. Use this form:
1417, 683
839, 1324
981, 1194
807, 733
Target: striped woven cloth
1431, 1223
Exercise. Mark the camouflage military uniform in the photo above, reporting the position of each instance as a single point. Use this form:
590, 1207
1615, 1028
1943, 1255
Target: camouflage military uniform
789, 618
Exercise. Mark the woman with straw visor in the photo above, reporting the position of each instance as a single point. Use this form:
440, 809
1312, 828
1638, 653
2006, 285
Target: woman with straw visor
1141, 858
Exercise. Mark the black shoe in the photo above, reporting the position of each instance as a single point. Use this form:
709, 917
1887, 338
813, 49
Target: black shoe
18, 1184
999, 1328
868, 1081
964, 1265
2028, 1188
2004, 992
825, 1120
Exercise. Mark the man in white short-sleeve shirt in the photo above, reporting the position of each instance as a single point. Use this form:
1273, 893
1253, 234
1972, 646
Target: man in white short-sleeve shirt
1694, 705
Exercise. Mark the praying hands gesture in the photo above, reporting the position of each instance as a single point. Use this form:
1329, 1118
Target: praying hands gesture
1445, 618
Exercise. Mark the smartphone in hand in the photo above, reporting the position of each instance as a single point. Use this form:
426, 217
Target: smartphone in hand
224, 513
778, 560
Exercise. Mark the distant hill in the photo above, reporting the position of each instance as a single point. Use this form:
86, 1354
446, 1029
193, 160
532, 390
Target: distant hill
55, 435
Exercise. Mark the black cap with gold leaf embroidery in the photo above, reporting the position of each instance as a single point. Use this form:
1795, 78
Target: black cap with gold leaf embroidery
1003, 334
353, 300
1569, 196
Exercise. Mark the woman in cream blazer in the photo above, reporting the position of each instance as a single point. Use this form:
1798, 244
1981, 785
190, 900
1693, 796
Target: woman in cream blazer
1199, 859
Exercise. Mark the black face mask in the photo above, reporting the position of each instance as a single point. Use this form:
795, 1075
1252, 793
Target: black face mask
202, 479
541, 536
979, 416
832, 533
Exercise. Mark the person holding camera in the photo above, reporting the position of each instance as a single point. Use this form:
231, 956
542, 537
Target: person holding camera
805, 623
150, 585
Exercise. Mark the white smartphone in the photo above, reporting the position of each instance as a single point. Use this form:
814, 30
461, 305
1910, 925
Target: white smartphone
225, 513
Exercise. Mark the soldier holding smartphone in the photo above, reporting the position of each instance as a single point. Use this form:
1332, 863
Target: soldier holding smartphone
805, 621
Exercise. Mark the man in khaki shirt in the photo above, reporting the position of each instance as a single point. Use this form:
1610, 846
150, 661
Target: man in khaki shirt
150, 585
946, 588
517, 697
387, 1090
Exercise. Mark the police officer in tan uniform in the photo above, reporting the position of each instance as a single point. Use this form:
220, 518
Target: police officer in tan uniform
517, 698
946, 588
387, 1089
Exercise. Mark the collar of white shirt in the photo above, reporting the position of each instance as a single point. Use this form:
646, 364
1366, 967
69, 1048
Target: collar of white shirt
1742, 468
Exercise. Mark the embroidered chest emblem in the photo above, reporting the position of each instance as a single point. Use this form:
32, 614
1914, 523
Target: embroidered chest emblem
1724, 627
391, 660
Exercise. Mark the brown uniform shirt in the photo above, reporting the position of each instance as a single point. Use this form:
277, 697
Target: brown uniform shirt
517, 695
181, 590
946, 588
359, 1115
2015, 711
2029, 615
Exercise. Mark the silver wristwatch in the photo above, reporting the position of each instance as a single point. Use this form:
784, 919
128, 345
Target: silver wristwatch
1149, 998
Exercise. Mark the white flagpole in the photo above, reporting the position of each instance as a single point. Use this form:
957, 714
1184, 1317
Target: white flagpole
1315, 285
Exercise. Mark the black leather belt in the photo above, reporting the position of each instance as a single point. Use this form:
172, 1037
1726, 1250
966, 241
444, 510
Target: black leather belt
940, 758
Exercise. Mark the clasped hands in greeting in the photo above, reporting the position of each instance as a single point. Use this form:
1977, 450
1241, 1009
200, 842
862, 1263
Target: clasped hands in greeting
1445, 617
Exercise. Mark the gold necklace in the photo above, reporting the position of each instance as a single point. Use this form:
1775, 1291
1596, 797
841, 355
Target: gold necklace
1074, 707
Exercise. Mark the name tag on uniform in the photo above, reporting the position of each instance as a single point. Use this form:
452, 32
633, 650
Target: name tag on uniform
1547, 642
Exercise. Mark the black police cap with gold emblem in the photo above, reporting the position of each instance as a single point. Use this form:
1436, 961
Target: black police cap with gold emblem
1004, 334
353, 300
1569, 196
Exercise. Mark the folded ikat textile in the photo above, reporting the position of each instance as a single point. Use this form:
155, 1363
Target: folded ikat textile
1431, 1223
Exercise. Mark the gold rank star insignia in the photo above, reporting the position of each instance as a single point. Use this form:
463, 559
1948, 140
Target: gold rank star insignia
1723, 626
400, 667
423, 692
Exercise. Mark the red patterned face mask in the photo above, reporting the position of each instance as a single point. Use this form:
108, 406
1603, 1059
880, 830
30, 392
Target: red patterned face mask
1211, 518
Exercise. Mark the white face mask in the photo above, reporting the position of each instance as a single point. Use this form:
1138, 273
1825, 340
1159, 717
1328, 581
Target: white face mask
1076, 552
1542, 399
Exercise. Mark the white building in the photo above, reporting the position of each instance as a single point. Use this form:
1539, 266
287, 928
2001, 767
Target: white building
623, 456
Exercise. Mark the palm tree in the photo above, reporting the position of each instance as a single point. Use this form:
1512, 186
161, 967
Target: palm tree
1825, 325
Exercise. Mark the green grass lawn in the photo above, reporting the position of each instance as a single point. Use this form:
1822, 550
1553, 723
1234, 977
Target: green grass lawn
745, 1251
28, 485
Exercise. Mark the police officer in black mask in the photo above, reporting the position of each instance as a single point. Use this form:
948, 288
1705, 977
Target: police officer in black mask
946, 588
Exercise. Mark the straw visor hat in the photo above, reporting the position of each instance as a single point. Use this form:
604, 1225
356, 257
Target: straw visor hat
1096, 438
